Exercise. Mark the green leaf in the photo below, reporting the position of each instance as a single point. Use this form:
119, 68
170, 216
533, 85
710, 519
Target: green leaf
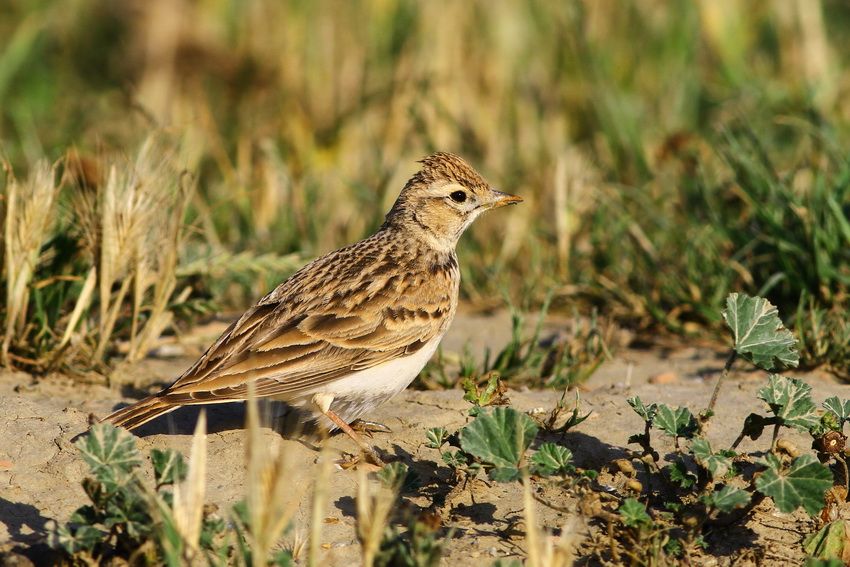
397, 476
169, 466
802, 484
841, 409
74, 539
674, 548
827, 542
551, 459
504, 474
110, 453
759, 334
831, 562
680, 475
718, 464
455, 460
790, 400
499, 437
646, 412
130, 511
485, 397
678, 422
282, 558
727, 499
84, 515
436, 436
634, 513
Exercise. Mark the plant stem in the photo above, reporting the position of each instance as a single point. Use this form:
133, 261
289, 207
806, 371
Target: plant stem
776, 427
841, 460
726, 368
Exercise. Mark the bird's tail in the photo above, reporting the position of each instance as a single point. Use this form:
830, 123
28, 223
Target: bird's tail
140, 413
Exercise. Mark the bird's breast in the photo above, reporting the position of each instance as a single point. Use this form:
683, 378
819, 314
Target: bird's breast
361, 391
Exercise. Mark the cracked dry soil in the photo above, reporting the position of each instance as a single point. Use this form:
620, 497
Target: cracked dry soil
40, 471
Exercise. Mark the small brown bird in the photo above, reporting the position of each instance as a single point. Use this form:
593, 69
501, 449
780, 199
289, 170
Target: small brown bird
353, 328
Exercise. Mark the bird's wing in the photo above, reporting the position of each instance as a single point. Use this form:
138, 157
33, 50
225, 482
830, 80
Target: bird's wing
287, 350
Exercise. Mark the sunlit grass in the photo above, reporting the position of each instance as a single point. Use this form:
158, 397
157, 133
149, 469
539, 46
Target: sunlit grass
628, 128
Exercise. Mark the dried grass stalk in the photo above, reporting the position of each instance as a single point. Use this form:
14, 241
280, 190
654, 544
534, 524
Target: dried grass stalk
272, 497
374, 506
543, 549
29, 219
189, 495
132, 226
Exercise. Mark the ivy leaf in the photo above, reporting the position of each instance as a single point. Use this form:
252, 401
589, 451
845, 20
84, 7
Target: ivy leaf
678, 422
680, 475
840, 408
84, 515
110, 453
504, 474
759, 334
802, 484
551, 459
455, 460
499, 437
436, 436
647, 412
790, 400
727, 499
169, 466
718, 464
131, 513
634, 513
75, 539
828, 542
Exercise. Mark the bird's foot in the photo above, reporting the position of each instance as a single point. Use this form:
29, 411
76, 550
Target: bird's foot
369, 453
369, 427
371, 463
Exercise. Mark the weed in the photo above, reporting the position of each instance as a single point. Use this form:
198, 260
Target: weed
94, 259
170, 523
701, 484
382, 542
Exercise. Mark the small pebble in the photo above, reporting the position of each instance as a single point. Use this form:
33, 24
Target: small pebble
664, 378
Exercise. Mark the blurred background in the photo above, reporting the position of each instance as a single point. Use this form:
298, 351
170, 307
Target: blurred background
668, 152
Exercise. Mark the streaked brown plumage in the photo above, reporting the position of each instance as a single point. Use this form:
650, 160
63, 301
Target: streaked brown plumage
374, 304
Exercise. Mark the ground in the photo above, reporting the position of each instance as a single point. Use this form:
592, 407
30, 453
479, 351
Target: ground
40, 470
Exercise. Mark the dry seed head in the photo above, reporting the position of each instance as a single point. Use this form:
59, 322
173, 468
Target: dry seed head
28, 221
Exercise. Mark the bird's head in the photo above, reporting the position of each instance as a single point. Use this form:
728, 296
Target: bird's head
443, 198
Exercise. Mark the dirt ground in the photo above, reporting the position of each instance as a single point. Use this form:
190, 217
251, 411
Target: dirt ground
40, 471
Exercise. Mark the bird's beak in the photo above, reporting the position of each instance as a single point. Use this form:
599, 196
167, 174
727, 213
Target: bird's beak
500, 199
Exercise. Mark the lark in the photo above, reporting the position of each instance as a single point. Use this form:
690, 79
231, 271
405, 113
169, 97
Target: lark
353, 328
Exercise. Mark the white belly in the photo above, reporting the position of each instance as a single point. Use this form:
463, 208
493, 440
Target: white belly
364, 390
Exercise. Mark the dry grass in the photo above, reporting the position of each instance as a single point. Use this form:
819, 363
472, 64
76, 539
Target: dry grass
189, 495
131, 227
106, 256
542, 548
375, 504
302, 121
29, 217
272, 485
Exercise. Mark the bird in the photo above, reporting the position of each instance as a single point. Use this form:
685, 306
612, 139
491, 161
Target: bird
354, 327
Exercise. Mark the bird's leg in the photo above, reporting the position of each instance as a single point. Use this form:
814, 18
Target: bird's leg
323, 402
369, 427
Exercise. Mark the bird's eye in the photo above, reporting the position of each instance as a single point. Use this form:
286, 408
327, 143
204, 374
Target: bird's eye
458, 196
